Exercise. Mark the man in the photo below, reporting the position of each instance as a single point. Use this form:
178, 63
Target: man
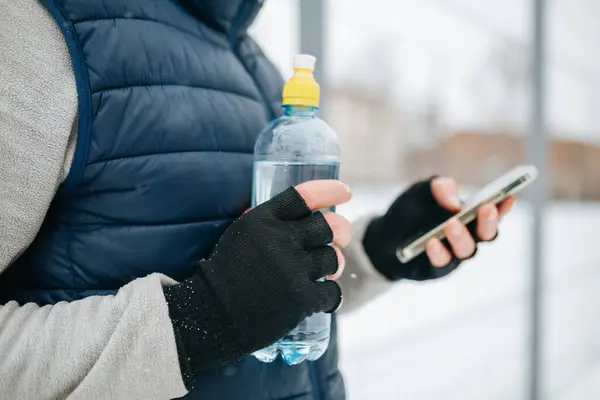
126, 133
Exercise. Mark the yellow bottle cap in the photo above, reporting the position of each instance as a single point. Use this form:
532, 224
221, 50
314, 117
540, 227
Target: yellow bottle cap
302, 88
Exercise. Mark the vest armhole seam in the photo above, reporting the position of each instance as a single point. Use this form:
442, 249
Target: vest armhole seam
84, 97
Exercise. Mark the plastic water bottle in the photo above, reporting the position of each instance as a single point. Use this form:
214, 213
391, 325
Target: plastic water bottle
296, 148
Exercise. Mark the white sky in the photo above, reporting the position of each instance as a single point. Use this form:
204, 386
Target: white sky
438, 49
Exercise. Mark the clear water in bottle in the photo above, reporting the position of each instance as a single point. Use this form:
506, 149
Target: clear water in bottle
273, 177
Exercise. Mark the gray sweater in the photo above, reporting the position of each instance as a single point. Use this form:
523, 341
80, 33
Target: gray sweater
102, 347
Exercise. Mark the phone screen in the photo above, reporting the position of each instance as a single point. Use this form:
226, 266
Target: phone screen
501, 187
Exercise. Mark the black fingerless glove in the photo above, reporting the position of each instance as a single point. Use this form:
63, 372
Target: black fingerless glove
415, 212
260, 282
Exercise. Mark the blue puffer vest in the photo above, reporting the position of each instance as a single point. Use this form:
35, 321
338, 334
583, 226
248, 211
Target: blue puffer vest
172, 94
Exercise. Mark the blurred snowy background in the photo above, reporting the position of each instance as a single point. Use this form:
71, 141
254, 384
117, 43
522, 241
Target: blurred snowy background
465, 337
442, 86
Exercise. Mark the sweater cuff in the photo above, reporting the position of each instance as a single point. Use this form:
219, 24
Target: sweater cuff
204, 336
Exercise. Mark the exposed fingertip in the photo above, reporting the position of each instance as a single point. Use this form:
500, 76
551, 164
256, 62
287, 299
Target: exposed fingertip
341, 227
437, 253
442, 181
348, 189
489, 213
341, 265
507, 205
445, 191
487, 227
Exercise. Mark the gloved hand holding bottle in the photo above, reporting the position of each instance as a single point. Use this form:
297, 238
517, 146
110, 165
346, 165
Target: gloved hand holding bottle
263, 278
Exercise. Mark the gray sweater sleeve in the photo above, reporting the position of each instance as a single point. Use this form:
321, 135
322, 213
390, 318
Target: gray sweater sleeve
111, 347
38, 109
102, 347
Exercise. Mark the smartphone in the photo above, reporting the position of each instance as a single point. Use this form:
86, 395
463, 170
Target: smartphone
495, 192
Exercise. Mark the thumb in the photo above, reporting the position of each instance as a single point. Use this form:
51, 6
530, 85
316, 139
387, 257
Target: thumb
445, 193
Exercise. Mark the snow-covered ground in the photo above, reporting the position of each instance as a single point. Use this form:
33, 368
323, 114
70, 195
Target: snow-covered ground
466, 337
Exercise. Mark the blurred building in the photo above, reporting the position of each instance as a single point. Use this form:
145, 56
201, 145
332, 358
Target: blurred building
382, 145
371, 135
476, 157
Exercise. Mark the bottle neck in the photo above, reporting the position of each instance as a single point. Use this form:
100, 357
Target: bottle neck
299, 110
